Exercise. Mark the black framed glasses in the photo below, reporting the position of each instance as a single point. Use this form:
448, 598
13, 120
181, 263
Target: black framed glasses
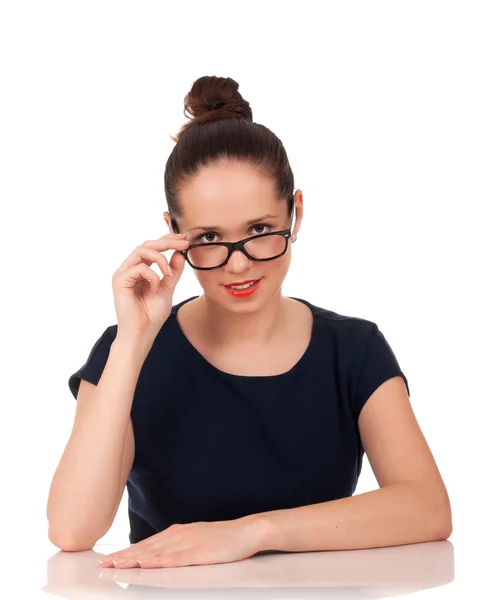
262, 247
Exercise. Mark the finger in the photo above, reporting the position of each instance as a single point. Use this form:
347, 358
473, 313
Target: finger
139, 273
149, 256
161, 245
177, 263
181, 558
130, 557
150, 549
122, 554
166, 241
119, 559
151, 552
148, 546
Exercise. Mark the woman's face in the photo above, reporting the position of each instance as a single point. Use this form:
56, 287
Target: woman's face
217, 206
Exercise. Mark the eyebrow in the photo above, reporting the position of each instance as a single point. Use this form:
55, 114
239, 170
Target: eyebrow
251, 222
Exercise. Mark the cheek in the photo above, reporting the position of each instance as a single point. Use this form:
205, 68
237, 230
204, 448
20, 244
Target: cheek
277, 269
281, 265
208, 278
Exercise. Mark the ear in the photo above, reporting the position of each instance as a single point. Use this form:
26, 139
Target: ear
167, 218
299, 211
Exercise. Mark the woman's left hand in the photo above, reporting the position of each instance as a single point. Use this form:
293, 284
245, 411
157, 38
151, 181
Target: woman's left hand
200, 543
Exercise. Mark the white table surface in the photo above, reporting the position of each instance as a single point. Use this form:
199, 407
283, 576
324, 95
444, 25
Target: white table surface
424, 570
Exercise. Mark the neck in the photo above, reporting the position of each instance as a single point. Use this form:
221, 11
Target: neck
225, 327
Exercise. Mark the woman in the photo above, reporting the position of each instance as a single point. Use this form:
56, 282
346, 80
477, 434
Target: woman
237, 419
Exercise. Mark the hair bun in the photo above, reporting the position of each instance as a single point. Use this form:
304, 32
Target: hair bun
212, 98
216, 105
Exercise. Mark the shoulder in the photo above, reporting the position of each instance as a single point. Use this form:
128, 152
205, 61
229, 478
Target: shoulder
342, 340
347, 329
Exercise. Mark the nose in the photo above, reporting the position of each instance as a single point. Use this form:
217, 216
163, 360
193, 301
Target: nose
238, 262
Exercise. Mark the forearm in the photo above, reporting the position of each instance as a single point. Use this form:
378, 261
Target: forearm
86, 483
389, 516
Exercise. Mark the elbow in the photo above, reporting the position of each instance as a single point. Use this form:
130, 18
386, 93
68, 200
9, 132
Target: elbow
436, 509
443, 519
446, 529
77, 540
71, 542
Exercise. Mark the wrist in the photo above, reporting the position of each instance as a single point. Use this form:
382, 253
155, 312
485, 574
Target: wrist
262, 529
137, 346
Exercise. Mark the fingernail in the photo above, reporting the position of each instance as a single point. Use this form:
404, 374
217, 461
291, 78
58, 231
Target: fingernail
169, 271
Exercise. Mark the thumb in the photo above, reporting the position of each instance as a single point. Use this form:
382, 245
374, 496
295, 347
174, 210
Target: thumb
177, 264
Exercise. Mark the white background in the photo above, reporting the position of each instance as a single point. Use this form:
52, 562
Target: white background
385, 112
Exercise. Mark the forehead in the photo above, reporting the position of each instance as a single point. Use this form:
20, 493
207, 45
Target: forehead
229, 194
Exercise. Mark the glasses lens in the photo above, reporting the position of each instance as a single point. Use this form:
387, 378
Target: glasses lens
266, 247
208, 256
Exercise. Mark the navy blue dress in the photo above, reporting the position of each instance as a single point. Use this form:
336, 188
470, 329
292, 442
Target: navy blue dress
212, 446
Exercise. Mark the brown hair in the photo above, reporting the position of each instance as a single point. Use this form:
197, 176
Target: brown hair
222, 128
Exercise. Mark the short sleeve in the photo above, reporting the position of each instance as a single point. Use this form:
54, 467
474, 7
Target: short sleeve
94, 366
379, 365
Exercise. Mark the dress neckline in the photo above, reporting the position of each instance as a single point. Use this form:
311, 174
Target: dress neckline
288, 373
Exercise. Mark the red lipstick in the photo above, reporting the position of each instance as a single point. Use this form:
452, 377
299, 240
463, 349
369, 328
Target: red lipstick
241, 282
246, 292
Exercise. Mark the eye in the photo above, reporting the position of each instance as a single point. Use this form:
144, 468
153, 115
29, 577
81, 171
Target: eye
262, 225
202, 238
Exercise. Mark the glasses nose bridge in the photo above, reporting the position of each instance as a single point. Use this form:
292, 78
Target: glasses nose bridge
233, 246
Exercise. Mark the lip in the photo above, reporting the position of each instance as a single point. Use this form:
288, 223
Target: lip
242, 282
244, 293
